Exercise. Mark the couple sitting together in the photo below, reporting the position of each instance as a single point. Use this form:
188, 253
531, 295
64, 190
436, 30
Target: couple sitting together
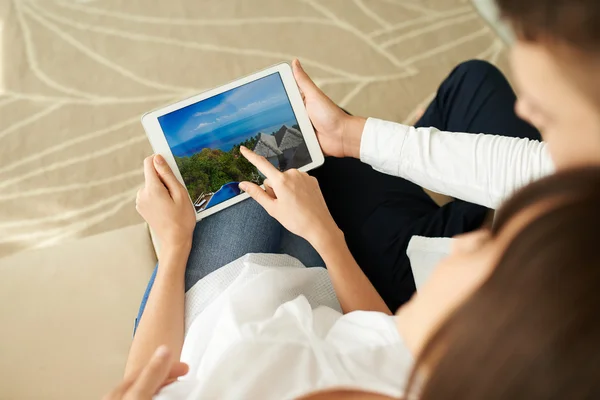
241, 307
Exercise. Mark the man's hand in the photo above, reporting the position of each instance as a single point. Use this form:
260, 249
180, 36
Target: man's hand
339, 134
158, 373
164, 203
294, 199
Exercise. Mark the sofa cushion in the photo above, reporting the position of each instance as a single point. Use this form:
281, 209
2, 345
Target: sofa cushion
67, 314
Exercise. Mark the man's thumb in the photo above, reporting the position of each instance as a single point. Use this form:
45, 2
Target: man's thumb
306, 85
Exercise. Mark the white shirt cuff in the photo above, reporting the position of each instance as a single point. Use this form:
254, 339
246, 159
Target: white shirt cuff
381, 145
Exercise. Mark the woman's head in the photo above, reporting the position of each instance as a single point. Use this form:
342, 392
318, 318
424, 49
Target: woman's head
556, 67
530, 329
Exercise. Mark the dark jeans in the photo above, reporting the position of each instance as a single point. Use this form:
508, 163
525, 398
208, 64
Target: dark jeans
379, 213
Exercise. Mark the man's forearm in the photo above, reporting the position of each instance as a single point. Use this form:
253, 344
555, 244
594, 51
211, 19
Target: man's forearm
481, 169
163, 320
352, 287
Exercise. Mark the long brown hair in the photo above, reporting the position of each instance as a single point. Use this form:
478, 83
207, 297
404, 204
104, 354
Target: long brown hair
532, 330
572, 21
569, 28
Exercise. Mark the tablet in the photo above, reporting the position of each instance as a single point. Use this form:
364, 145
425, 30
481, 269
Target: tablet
200, 137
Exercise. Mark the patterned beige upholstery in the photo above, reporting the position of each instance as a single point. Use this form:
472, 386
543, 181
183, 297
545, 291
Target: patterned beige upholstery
77, 75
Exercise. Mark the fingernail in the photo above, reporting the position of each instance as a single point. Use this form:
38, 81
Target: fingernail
162, 352
243, 148
243, 186
159, 159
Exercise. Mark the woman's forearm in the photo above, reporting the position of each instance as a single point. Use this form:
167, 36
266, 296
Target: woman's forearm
352, 287
163, 320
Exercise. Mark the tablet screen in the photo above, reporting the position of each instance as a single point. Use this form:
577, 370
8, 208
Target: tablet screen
205, 139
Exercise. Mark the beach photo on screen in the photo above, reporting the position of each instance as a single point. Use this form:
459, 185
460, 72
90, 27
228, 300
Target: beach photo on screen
205, 139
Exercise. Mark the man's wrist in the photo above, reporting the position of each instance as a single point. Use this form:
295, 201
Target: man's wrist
352, 136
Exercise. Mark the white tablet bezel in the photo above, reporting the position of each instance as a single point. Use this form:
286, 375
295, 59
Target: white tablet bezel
160, 146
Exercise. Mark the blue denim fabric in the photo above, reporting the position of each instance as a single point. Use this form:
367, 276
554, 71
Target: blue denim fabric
232, 233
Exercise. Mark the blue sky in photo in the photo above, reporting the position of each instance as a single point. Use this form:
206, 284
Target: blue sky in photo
224, 120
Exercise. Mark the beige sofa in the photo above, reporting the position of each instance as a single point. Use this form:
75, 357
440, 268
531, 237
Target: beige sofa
67, 314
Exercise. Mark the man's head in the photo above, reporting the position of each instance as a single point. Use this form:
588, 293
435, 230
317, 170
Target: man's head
556, 66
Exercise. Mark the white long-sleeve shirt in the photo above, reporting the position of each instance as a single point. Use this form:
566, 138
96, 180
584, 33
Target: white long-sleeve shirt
265, 327
481, 169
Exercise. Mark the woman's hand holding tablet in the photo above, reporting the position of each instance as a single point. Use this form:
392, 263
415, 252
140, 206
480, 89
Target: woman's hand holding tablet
163, 203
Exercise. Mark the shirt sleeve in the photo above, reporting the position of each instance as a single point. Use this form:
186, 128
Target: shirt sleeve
478, 168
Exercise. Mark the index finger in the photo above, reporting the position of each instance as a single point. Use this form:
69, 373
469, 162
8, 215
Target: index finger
150, 174
261, 163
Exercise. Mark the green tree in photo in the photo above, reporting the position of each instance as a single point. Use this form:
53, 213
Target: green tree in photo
205, 172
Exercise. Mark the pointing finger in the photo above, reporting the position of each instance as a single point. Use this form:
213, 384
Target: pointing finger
262, 164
